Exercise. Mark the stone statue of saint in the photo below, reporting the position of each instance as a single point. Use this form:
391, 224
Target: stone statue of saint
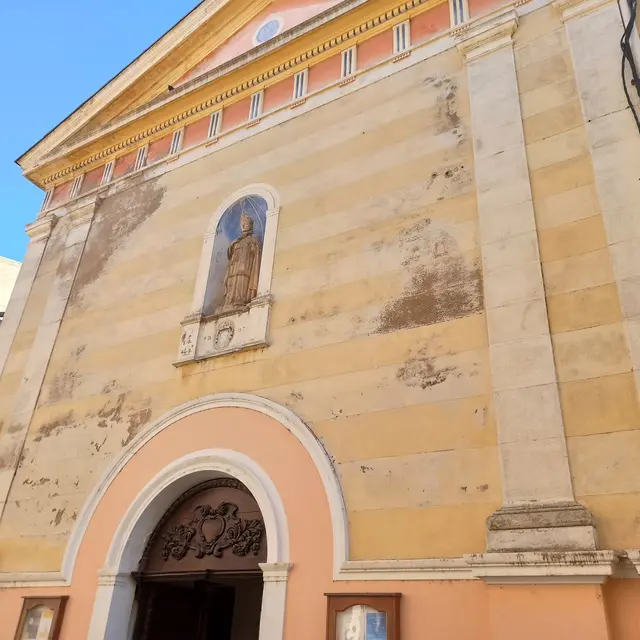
241, 279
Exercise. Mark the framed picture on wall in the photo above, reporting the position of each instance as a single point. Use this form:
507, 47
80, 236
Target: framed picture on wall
41, 618
363, 616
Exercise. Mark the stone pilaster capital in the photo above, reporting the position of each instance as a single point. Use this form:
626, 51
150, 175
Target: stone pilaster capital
541, 527
569, 9
108, 579
82, 210
41, 228
487, 35
275, 571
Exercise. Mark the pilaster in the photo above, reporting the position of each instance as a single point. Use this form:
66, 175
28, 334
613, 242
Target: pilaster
39, 233
274, 596
594, 29
539, 511
14, 436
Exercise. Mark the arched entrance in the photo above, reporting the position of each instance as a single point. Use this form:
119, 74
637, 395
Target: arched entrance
174, 454
199, 577
115, 615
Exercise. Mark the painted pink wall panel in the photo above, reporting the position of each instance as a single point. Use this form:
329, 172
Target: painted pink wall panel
159, 149
429, 23
92, 179
125, 164
291, 12
621, 597
61, 194
324, 73
236, 114
278, 95
196, 132
376, 49
478, 7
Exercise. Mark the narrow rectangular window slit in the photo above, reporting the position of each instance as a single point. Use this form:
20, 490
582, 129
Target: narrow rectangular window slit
75, 187
47, 199
176, 141
108, 172
141, 158
215, 124
300, 84
401, 37
256, 105
348, 62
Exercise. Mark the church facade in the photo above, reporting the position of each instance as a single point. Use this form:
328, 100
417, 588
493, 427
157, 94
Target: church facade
329, 327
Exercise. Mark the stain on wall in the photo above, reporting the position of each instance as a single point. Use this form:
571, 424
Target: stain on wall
117, 217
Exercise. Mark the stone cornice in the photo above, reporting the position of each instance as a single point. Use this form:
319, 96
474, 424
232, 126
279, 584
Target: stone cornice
549, 567
488, 34
239, 90
553, 567
218, 72
132, 73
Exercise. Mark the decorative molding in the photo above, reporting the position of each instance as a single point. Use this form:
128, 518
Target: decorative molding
130, 74
550, 567
106, 579
29, 580
487, 34
438, 44
276, 571
420, 569
242, 536
249, 86
231, 483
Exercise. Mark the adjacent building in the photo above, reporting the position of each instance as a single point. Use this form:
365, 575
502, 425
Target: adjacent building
8, 274
329, 327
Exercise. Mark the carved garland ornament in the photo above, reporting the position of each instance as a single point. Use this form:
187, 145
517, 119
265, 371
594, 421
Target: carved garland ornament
211, 531
242, 88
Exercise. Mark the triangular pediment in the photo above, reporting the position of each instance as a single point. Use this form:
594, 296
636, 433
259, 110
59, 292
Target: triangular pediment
213, 34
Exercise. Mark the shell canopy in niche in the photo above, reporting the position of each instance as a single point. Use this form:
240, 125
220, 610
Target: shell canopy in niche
237, 250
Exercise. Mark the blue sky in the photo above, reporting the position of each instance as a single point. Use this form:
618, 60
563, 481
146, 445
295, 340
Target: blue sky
53, 56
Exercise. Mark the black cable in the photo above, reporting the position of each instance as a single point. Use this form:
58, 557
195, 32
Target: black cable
627, 57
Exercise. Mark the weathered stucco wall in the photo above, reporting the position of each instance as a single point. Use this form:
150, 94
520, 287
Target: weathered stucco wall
378, 337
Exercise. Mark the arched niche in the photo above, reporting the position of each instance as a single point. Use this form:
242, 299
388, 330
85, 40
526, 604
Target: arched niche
227, 231
232, 295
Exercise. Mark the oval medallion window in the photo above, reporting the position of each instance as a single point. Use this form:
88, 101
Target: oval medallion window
268, 30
